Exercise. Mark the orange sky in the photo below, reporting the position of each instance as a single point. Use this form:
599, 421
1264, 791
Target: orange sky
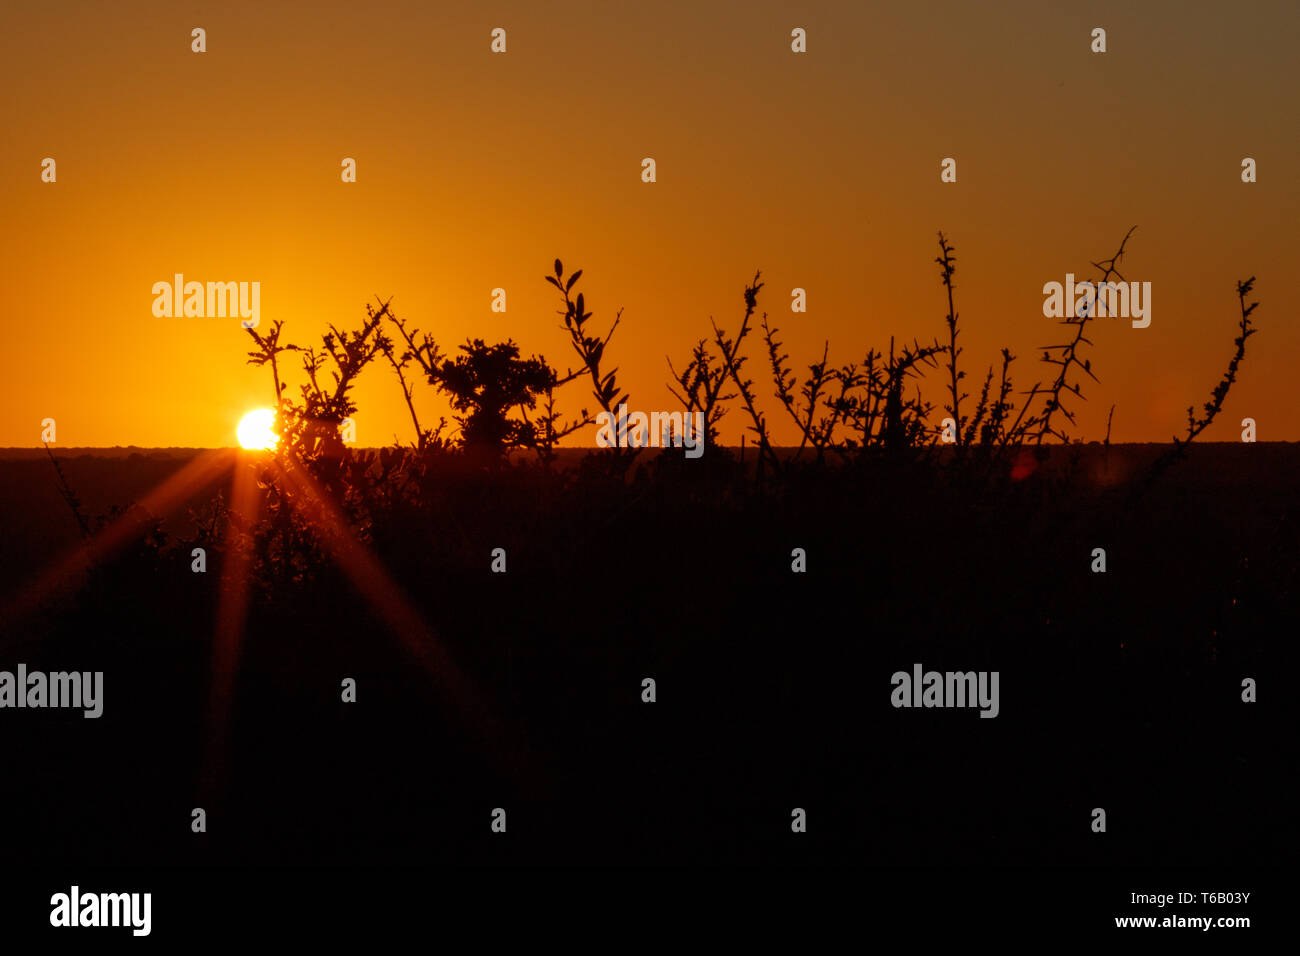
476, 170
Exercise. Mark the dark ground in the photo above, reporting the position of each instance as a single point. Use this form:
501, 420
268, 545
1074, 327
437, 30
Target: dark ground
1119, 690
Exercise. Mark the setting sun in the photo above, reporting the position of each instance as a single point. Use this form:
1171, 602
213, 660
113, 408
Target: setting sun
254, 430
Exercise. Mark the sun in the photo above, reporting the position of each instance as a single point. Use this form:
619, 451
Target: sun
254, 431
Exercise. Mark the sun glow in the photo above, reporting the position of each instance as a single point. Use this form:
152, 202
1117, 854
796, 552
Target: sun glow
254, 431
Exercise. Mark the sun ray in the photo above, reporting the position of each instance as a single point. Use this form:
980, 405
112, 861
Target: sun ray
232, 612
388, 600
159, 502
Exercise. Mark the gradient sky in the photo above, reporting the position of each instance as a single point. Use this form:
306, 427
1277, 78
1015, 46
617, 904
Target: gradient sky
476, 170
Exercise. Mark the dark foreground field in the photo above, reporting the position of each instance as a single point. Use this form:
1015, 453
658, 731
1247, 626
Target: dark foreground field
1120, 690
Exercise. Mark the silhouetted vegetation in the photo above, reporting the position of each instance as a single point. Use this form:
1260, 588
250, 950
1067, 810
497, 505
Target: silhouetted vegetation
844, 413
1215, 405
